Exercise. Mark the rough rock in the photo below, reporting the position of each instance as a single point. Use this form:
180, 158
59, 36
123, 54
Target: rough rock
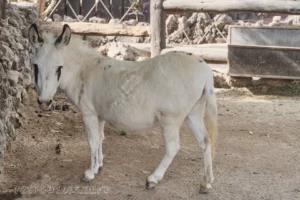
276, 21
15, 70
57, 18
113, 21
97, 20
131, 22
171, 24
121, 51
69, 19
221, 20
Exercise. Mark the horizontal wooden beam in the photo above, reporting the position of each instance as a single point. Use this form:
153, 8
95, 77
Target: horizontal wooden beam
84, 28
225, 6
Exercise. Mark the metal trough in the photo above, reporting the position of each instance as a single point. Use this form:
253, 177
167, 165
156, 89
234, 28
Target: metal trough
267, 52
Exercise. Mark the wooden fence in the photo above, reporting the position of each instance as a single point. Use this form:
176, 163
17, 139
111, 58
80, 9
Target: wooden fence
117, 8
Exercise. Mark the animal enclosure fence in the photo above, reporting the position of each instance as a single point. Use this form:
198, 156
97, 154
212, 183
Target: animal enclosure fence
160, 7
90, 8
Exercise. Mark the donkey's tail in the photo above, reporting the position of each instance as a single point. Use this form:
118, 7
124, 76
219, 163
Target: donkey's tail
211, 114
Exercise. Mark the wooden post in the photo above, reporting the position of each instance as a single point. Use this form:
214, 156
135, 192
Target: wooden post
3, 9
158, 27
41, 7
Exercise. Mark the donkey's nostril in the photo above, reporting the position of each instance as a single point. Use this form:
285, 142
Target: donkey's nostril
49, 102
39, 102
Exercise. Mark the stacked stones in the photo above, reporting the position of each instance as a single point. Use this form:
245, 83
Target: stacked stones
15, 70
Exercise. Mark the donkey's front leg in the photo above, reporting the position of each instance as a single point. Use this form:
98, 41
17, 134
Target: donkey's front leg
91, 123
171, 137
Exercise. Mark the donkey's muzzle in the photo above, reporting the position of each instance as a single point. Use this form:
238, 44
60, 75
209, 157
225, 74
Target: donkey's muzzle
45, 105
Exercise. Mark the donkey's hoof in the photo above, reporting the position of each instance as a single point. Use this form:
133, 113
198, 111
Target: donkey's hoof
205, 188
150, 184
84, 179
88, 176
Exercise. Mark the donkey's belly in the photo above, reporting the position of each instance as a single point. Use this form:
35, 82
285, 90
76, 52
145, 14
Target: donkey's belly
131, 121
132, 126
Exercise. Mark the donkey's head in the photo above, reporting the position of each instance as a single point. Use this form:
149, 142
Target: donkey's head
48, 63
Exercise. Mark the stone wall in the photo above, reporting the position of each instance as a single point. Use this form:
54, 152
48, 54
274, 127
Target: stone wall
15, 70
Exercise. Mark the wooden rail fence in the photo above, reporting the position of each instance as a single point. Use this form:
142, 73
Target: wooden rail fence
117, 8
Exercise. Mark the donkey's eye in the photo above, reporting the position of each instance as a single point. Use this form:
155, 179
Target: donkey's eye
36, 72
58, 72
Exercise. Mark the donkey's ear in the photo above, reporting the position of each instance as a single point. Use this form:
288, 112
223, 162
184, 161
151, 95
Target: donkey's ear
64, 37
33, 35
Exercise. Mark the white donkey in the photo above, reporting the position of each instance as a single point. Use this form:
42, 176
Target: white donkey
166, 91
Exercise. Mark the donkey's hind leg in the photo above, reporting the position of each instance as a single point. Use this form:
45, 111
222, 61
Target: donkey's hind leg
171, 138
92, 128
101, 129
195, 122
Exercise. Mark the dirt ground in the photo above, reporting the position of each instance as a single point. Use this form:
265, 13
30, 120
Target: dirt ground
258, 155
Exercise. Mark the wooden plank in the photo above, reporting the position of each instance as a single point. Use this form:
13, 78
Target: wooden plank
84, 28
265, 62
158, 27
117, 8
76, 7
208, 52
223, 6
100, 10
86, 7
268, 36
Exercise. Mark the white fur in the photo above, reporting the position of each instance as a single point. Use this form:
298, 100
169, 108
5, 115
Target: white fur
133, 96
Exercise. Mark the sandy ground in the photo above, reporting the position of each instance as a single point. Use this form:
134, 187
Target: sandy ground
258, 156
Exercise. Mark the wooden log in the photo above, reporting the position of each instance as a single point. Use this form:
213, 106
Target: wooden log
219, 6
158, 27
209, 52
84, 28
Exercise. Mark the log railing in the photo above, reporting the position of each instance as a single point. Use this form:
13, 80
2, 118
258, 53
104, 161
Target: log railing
159, 7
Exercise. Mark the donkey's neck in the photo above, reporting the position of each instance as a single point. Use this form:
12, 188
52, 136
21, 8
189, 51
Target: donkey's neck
70, 81
76, 59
